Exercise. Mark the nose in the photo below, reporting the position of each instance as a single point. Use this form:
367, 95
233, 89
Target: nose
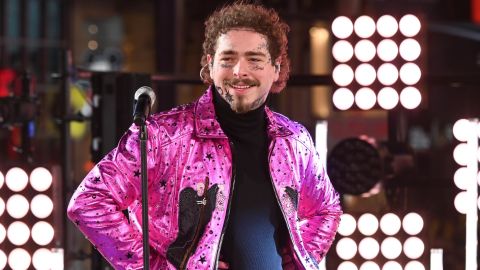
240, 69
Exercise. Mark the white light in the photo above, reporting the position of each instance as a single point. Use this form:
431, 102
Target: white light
346, 248
387, 26
364, 26
365, 50
409, 25
3, 234
342, 51
387, 50
42, 206
58, 258
462, 176
391, 248
3, 260
413, 248
342, 75
369, 266
387, 74
42, 233
16, 179
347, 266
18, 233
390, 224
410, 97
368, 248
40, 179
387, 98
414, 265
462, 154
2, 206
41, 259
342, 27
412, 223
436, 259
365, 98
17, 206
463, 129
347, 225
365, 74
392, 265
367, 224
2, 179
343, 99
410, 49
410, 73
460, 202
19, 259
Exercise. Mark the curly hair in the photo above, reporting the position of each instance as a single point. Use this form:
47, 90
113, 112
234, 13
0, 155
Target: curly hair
257, 18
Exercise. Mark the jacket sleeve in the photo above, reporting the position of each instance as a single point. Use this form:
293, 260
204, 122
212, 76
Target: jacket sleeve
319, 207
110, 187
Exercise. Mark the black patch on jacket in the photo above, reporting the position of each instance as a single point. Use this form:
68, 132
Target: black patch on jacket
293, 194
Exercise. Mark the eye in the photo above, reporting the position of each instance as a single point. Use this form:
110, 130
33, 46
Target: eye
255, 60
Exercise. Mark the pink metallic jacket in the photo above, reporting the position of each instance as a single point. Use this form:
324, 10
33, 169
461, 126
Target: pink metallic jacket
191, 178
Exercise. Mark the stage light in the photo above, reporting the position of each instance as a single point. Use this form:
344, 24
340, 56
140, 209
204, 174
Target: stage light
364, 26
391, 248
369, 266
42, 260
17, 206
2, 206
342, 27
41, 179
414, 265
19, 259
342, 51
368, 248
410, 97
3, 234
410, 73
2, 179
347, 225
462, 154
392, 265
3, 260
410, 49
367, 224
387, 50
390, 224
365, 98
16, 179
343, 99
18, 233
342, 75
387, 26
462, 129
42, 233
41, 206
461, 177
413, 247
460, 202
412, 223
409, 25
346, 248
387, 98
365, 50
347, 266
387, 74
365, 74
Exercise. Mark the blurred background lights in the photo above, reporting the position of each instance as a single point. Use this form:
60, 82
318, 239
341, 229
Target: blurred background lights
41, 206
365, 50
347, 225
342, 75
3, 260
365, 99
342, 27
461, 154
2, 206
346, 248
410, 97
413, 248
460, 202
365, 74
16, 179
342, 51
347, 266
19, 259
412, 223
414, 265
387, 50
387, 74
367, 224
17, 206
364, 26
18, 233
368, 248
462, 129
41, 259
387, 26
409, 25
369, 266
390, 224
410, 49
40, 179
387, 98
3, 233
410, 73
391, 248
42, 233
343, 99
392, 265
2, 179
461, 177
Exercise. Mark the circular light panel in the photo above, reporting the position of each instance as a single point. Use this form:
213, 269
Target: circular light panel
390, 224
42, 233
42, 206
364, 26
342, 51
387, 26
342, 27
409, 25
368, 224
365, 99
346, 248
18, 233
17, 206
347, 225
19, 259
16, 179
41, 179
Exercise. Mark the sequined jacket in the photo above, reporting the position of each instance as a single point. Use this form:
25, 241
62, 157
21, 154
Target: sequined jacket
191, 178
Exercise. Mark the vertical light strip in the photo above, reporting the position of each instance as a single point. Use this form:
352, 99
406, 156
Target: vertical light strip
321, 129
471, 238
436, 259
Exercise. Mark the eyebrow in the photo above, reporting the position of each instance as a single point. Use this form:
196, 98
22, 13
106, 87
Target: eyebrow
249, 53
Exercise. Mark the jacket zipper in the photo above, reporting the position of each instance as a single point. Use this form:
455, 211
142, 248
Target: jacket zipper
196, 236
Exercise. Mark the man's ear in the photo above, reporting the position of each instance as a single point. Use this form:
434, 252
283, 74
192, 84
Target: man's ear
210, 64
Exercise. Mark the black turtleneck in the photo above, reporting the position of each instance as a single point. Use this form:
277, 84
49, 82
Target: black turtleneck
252, 238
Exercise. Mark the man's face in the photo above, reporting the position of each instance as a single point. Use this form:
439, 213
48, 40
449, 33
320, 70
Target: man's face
242, 69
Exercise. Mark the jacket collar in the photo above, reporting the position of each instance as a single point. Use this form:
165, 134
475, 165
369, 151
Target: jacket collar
207, 126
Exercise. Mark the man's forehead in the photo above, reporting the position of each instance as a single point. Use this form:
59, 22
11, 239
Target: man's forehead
241, 41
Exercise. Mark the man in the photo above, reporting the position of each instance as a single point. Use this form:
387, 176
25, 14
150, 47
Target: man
232, 185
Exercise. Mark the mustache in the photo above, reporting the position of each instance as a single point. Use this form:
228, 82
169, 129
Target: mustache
242, 81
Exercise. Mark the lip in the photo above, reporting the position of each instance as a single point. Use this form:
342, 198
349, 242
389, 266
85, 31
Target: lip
240, 88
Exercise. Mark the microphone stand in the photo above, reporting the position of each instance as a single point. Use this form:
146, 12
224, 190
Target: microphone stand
143, 152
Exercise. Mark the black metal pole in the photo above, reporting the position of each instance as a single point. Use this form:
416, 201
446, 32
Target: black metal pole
143, 152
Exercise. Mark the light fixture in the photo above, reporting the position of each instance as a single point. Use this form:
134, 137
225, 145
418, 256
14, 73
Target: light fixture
343, 99
365, 98
347, 225
342, 51
387, 26
387, 50
346, 248
16, 179
364, 26
409, 25
368, 224
387, 98
342, 27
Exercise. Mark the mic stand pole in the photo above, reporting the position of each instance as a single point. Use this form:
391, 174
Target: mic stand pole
143, 152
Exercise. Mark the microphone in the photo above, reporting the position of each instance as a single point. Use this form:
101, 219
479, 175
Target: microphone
144, 99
